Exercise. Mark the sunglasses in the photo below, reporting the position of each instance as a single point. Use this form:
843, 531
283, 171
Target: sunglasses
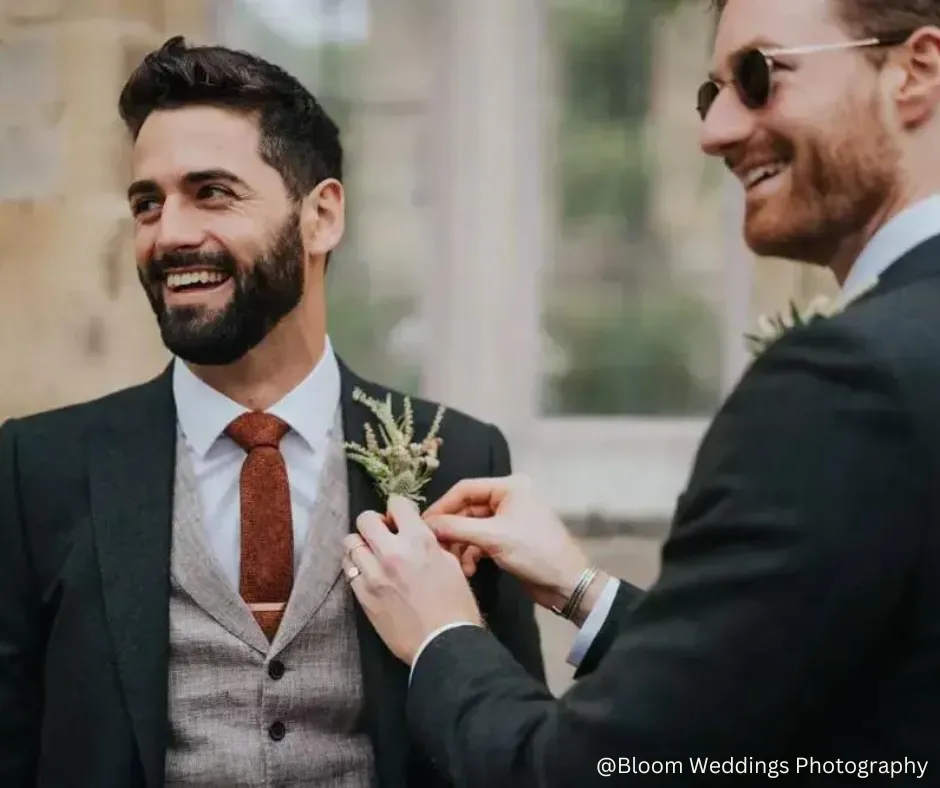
752, 70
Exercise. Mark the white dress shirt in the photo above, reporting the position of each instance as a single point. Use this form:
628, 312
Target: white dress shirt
203, 414
908, 229
896, 238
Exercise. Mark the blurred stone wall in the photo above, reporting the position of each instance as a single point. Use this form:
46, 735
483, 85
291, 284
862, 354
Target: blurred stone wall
74, 320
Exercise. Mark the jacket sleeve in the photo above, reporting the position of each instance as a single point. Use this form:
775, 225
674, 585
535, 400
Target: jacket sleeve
20, 632
627, 597
788, 559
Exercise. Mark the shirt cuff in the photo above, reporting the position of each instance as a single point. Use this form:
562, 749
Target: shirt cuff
594, 622
429, 638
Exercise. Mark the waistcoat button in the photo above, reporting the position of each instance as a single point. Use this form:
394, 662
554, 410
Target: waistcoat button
276, 669
277, 731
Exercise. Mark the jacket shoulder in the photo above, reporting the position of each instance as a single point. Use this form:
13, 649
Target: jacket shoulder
68, 422
454, 421
898, 328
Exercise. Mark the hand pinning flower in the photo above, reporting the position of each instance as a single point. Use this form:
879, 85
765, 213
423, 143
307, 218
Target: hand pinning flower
401, 466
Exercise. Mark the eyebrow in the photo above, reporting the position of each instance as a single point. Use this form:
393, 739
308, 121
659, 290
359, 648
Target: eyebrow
761, 42
189, 179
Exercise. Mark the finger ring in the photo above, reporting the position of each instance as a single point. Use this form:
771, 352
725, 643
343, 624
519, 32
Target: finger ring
353, 573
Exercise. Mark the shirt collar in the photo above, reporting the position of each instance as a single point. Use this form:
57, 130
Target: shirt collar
309, 408
908, 229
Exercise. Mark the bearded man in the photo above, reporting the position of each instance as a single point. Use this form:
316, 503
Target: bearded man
172, 604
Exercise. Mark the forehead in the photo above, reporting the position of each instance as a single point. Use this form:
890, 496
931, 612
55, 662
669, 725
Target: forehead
783, 23
174, 142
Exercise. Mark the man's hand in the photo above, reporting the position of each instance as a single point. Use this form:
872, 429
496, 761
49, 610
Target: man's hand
505, 519
406, 583
468, 556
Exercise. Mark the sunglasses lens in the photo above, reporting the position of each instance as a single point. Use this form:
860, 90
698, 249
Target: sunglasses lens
752, 76
752, 82
707, 94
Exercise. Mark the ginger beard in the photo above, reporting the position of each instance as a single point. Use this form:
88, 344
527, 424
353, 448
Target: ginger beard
262, 294
836, 177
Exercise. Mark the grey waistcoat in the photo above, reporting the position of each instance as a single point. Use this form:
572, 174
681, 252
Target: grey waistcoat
234, 723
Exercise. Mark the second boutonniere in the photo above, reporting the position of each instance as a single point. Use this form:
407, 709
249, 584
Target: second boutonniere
771, 328
402, 466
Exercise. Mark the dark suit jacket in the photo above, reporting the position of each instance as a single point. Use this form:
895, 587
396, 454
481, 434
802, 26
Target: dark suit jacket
85, 528
797, 614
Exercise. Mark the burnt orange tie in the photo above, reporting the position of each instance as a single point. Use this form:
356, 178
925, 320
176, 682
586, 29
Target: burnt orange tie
267, 532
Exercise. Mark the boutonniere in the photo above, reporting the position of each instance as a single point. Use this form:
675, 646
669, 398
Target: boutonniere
402, 466
771, 327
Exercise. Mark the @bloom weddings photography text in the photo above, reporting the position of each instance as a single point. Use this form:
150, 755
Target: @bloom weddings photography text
771, 768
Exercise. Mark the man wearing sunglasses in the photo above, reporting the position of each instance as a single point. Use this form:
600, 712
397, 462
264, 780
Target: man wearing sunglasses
794, 630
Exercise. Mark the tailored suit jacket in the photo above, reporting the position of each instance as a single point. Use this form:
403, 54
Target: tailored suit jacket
797, 613
86, 500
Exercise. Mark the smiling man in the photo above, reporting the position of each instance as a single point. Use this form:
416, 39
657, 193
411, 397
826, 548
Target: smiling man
820, 166
172, 605
795, 626
195, 223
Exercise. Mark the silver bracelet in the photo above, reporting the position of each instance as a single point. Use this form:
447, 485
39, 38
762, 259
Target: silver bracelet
577, 595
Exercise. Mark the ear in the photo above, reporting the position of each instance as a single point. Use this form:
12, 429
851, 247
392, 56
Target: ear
323, 218
914, 71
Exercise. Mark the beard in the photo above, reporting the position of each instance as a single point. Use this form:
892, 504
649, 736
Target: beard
264, 293
836, 184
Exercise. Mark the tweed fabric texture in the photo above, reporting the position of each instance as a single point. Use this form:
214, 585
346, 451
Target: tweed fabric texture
244, 711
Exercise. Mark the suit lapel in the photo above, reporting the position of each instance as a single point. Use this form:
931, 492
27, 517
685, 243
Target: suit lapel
131, 485
321, 562
196, 570
384, 676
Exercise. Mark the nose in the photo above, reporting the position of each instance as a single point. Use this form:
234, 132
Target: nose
178, 228
727, 124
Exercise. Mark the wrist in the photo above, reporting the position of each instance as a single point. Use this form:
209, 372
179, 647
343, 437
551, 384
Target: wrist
591, 596
575, 598
559, 592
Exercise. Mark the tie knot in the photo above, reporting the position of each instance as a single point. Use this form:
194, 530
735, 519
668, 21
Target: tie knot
251, 430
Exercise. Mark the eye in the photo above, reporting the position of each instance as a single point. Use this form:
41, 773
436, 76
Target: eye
214, 191
143, 206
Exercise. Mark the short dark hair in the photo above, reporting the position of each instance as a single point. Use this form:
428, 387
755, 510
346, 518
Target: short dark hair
866, 18
298, 137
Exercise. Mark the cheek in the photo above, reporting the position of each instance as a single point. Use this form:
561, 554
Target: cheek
238, 237
850, 150
144, 239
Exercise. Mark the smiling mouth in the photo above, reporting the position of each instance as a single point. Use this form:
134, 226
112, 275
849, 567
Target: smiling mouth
194, 281
765, 172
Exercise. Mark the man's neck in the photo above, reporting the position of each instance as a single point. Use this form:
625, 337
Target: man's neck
850, 247
268, 372
843, 258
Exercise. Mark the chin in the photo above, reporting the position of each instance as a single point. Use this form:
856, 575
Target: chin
206, 355
768, 236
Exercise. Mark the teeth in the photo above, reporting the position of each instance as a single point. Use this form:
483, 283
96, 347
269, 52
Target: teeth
175, 281
760, 173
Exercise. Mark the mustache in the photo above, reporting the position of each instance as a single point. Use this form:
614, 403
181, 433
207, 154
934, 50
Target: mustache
179, 262
767, 146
